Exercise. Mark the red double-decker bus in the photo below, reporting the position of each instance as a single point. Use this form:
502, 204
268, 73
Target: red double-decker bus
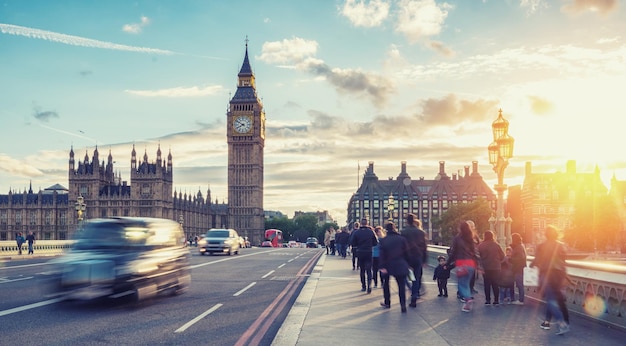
275, 236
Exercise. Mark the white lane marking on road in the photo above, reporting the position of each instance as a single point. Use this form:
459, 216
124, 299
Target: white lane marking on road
5, 280
24, 266
268, 274
291, 260
29, 306
226, 259
201, 316
244, 289
282, 265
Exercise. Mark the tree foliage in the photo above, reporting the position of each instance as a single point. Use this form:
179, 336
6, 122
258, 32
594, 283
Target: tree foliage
478, 211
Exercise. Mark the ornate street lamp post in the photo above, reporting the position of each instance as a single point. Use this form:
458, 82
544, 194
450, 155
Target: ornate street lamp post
390, 207
500, 151
80, 210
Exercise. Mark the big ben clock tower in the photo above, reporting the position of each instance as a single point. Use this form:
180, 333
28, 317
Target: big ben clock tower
245, 131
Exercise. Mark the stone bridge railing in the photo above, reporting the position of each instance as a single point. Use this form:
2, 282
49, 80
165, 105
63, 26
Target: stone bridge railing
8, 248
597, 289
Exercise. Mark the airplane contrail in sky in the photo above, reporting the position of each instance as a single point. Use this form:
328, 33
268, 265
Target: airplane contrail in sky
75, 40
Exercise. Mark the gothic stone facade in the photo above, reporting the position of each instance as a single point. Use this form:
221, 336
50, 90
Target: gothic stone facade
52, 214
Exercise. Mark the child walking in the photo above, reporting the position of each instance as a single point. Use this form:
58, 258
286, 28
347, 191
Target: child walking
442, 274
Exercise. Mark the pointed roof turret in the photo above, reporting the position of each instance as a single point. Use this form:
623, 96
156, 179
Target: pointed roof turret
246, 92
246, 70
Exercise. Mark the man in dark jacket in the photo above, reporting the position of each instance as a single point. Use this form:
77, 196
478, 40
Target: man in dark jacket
394, 253
491, 256
416, 238
341, 241
363, 239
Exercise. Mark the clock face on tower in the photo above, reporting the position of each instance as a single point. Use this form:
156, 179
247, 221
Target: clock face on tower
242, 124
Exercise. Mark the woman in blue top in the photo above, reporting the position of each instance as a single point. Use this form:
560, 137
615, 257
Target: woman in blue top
378, 231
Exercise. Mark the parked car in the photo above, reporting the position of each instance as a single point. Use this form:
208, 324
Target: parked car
121, 257
221, 240
312, 242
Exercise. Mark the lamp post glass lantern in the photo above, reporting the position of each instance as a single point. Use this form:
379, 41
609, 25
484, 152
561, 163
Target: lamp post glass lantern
80, 210
500, 151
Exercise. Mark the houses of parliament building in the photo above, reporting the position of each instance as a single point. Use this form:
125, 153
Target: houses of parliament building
96, 191
52, 213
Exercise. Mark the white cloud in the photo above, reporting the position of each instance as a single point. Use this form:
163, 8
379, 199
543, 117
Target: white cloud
18, 167
178, 91
362, 13
299, 53
75, 40
532, 6
607, 40
576, 7
288, 51
420, 19
539, 62
136, 28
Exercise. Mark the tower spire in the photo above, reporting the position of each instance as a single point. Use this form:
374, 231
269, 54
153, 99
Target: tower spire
246, 70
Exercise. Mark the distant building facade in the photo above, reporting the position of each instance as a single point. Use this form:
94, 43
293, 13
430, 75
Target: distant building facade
46, 213
52, 214
550, 198
617, 192
427, 199
322, 217
273, 214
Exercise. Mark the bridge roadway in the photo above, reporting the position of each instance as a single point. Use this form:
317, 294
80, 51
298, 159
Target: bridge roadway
331, 309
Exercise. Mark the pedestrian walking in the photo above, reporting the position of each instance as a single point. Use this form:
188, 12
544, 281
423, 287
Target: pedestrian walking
442, 274
19, 240
476, 243
507, 280
341, 242
416, 238
518, 263
550, 259
30, 238
463, 256
394, 261
378, 232
332, 241
491, 256
364, 239
327, 241
352, 247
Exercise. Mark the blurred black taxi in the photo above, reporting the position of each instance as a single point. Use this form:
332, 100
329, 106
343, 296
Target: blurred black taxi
122, 257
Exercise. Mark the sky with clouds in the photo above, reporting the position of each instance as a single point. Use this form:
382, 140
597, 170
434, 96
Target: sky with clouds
343, 82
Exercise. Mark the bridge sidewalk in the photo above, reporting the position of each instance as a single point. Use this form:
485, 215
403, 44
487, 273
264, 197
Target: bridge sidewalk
331, 309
